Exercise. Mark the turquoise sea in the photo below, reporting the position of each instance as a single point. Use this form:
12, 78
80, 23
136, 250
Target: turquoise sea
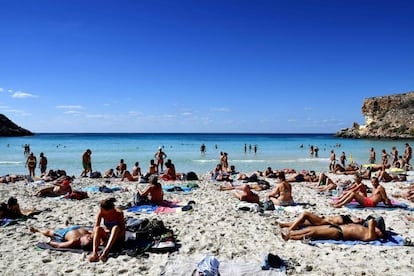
64, 150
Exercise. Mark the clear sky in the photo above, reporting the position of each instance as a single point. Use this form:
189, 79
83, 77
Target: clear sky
202, 65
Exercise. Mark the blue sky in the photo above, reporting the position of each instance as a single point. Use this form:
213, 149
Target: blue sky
200, 66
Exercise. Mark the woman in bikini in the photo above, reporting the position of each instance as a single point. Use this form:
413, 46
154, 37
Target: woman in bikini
310, 219
31, 164
113, 231
282, 194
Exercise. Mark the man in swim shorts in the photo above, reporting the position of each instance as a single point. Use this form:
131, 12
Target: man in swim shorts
70, 237
378, 195
374, 230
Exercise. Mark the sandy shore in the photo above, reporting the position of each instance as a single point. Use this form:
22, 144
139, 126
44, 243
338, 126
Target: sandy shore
214, 227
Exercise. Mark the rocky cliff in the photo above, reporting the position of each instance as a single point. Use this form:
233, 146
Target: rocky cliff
385, 117
8, 128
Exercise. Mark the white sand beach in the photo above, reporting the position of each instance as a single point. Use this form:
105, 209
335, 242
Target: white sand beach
213, 227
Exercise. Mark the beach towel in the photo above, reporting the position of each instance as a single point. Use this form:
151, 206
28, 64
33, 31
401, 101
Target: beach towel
393, 240
27, 214
395, 204
100, 189
173, 189
167, 207
175, 267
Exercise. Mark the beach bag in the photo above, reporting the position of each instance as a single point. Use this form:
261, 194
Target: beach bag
164, 243
140, 200
135, 224
268, 205
96, 174
192, 176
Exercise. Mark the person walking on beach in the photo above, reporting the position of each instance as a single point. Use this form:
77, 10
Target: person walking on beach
112, 233
42, 164
160, 156
394, 156
332, 161
384, 157
372, 156
31, 164
342, 159
86, 162
408, 153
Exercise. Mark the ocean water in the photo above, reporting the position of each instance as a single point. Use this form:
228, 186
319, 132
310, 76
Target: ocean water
64, 150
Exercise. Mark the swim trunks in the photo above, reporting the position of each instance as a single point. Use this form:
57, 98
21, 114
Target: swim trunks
60, 233
368, 202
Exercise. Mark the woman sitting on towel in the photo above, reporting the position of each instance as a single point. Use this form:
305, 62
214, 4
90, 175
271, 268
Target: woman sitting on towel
113, 231
282, 194
153, 193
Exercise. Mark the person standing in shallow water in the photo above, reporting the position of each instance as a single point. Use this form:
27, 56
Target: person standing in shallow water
86, 163
203, 149
160, 156
31, 164
42, 164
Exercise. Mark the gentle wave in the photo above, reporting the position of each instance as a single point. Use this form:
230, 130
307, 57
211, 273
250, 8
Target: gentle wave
10, 162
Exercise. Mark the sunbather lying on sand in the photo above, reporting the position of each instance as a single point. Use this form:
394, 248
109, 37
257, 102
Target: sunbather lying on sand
309, 219
244, 193
70, 237
60, 187
374, 231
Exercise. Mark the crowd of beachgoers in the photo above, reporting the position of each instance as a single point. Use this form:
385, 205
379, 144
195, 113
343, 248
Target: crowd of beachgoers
239, 219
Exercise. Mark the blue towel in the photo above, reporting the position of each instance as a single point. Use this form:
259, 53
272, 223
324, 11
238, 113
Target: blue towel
95, 189
380, 205
143, 208
393, 240
170, 188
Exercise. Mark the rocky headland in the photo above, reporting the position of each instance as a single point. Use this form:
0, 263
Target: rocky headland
8, 128
386, 117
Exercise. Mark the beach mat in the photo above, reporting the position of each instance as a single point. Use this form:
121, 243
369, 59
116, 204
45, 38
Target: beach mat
393, 240
227, 268
380, 205
167, 207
